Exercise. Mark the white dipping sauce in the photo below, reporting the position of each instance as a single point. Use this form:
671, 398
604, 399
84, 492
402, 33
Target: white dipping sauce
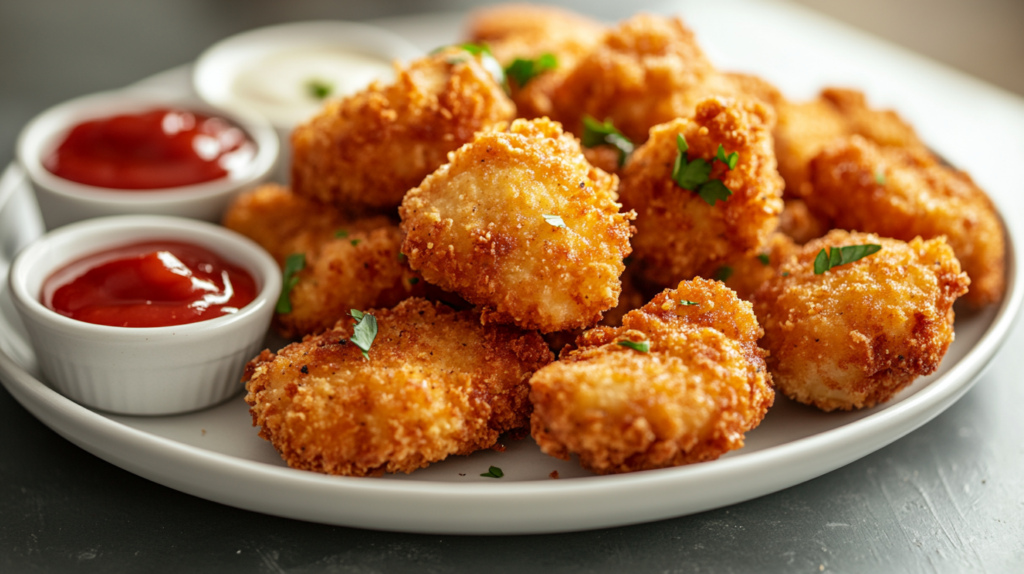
283, 86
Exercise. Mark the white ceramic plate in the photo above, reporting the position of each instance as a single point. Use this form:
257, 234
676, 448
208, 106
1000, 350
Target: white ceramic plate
215, 454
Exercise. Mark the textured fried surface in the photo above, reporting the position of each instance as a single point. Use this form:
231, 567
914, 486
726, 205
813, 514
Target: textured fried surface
679, 235
855, 335
476, 227
903, 194
646, 71
749, 272
805, 128
800, 224
437, 383
523, 31
359, 271
365, 151
690, 399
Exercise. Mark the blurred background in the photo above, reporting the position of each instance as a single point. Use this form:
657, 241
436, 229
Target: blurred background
53, 50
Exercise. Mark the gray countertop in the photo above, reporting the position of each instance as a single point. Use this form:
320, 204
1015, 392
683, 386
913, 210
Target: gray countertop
949, 497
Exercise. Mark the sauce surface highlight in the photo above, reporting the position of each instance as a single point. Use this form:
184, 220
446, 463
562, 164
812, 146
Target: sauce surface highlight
151, 284
158, 149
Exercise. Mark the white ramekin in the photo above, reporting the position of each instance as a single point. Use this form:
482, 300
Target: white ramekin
62, 201
142, 371
216, 71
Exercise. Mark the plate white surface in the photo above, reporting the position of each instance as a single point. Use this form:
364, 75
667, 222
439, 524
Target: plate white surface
215, 454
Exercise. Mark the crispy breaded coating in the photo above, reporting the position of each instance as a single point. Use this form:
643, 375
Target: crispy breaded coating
526, 31
903, 194
757, 87
350, 263
678, 234
805, 128
477, 227
691, 398
437, 383
857, 334
749, 272
363, 152
800, 224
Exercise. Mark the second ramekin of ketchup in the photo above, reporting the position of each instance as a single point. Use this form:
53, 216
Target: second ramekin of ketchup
145, 315
142, 151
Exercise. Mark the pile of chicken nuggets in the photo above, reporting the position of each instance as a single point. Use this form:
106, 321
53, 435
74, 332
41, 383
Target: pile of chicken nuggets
611, 245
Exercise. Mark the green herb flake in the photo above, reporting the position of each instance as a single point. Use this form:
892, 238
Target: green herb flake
414, 280
597, 133
364, 332
880, 177
341, 234
554, 220
522, 70
764, 259
688, 303
723, 273
292, 265
401, 257
837, 256
785, 273
493, 472
639, 346
355, 242
695, 175
319, 89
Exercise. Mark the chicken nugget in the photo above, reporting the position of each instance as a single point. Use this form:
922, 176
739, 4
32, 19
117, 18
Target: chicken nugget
805, 128
856, 334
903, 193
436, 383
679, 235
800, 224
363, 152
520, 224
530, 33
349, 263
746, 274
689, 397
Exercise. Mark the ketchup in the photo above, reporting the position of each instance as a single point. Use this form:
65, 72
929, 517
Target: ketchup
152, 284
157, 149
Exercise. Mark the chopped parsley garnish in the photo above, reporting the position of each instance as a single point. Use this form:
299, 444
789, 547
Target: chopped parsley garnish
401, 257
785, 273
880, 177
318, 88
364, 332
837, 256
695, 175
597, 133
522, 70
487, 60
555, 220
640, 346
688, 303
493, 472
341, 234
355, 242
414, 280
723, 273
764, 259
292, 265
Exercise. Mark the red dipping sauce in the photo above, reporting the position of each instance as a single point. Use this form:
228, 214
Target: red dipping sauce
153, 150
152, 284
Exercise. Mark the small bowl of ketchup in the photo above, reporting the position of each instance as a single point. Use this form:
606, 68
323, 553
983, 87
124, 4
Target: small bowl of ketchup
145, 315
142, 151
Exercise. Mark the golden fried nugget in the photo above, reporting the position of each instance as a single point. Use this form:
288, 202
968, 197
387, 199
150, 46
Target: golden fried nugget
436, 383
800, 224
520, 224
350, 263
691, 398
363, 152
857, 334
749, 272
678, 234
805, 128
528, 32
757, 87
903, 194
